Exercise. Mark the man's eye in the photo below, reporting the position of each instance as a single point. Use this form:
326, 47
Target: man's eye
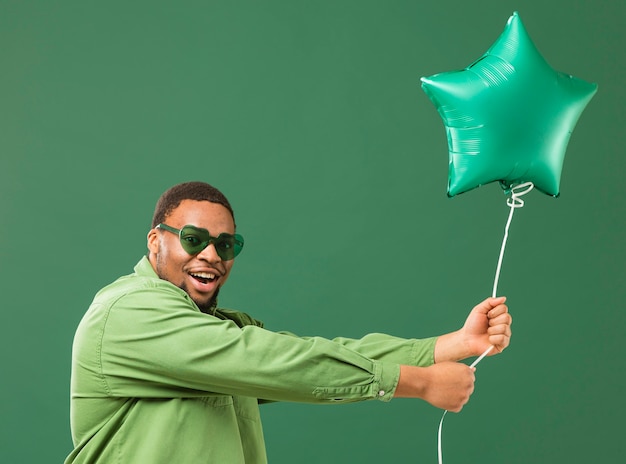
225, 244
191, 239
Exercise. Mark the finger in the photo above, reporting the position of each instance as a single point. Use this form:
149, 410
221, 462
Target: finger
487, 305
502, 319
498, 334
495, 301
500, 329
500, 342
498, 310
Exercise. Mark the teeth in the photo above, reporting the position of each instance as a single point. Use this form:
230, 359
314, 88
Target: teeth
204, 275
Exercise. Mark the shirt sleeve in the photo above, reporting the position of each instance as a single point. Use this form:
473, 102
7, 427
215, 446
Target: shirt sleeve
387, 348
151, 343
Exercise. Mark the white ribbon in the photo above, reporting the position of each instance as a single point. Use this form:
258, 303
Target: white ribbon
514, 202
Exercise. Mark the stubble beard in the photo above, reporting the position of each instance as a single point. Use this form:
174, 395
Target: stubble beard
207, 307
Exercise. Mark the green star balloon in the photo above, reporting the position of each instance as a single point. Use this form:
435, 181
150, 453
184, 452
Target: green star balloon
508, 115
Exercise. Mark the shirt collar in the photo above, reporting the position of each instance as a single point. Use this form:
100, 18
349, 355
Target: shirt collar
144, 268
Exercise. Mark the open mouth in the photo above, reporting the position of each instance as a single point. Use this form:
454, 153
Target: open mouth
204, 277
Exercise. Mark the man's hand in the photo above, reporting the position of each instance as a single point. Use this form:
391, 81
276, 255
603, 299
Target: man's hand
447, 385
488, 324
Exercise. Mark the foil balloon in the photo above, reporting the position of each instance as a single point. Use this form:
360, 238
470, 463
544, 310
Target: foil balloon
508, 116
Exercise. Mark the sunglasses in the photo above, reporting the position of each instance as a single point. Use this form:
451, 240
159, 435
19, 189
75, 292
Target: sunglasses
194, 240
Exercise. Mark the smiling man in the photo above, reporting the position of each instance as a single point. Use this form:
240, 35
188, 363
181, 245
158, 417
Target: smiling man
161, 374
201, 273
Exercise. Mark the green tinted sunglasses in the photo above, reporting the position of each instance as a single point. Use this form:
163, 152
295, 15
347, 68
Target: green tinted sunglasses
194, 240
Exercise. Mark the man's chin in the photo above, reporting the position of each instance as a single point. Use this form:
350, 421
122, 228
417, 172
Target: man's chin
205, 305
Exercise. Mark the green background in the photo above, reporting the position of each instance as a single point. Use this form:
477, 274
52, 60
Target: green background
310, 117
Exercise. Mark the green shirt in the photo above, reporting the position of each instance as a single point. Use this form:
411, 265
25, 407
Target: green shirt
154, 380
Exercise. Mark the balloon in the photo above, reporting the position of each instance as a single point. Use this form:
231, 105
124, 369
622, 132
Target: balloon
508, 115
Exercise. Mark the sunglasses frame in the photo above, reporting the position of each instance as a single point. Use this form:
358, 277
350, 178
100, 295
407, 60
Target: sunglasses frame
206, 239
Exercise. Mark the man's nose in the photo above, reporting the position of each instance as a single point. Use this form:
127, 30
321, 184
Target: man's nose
209, 254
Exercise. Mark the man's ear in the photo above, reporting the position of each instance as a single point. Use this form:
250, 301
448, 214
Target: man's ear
153, 241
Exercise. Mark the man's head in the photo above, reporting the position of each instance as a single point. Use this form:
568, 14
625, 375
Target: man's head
202, 274
199, 191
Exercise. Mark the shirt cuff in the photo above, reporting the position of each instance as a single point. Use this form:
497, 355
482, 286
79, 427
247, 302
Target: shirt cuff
424, 352
382, 387
389, 378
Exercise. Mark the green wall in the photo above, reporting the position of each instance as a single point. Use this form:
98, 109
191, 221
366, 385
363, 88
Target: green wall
310, 117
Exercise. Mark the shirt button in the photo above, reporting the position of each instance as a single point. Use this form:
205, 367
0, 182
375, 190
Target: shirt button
381, 393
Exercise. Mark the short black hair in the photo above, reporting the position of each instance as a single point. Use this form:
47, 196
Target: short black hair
199, 191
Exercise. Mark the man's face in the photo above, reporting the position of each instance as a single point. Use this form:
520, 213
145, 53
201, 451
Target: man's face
201, 275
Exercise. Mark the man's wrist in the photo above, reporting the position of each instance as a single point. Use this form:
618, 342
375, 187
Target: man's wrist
452, 347
412, 382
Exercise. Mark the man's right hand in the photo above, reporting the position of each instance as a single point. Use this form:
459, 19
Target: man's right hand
446, 385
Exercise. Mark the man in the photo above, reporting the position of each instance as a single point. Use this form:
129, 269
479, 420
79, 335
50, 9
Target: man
160, 374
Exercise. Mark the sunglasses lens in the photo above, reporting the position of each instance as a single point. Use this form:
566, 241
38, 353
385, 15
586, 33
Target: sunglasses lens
237, 244
228, 246
193, 240
225, 246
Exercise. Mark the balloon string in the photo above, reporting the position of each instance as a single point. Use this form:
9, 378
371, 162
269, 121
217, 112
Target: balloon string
439, 437
514, 202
